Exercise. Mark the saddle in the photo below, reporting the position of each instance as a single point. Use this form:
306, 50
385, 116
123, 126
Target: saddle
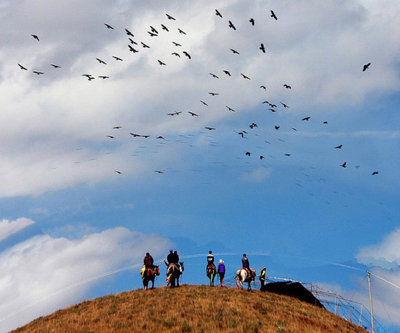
211, 269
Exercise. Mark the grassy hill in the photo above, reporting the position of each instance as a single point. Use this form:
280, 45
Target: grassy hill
192, 309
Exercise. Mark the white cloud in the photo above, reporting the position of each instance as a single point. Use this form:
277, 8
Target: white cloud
257, 175
43, 274
8, 228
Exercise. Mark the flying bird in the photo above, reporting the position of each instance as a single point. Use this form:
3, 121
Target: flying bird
252, 21
35, 37
229, 108
277, 127
284, 105
325, 122
118, 172
244, 76
22, 67
135, 135
101, 61
55, 66
176, 54
262, 48
252, 125
272, 110
227, 73
193, 114
288, 154
89, 77
248, 153
145, 46
365, 67
375, 173
214, 76
129, 33
339, 147
263, 87
110, 136
170, 17
181, 31
164, 27
234, 51
287, 86
104, 77
132, 49
261, 157
213, 93
159, 171
187, 54
218, 13
210, 128
117, 58
231, 25
38, 73
117, 127
132, 41
153, 30
161, 63
306, 118
273, 15
344, 165
204, 103
108, 26
176, 44
152, 34
174, 113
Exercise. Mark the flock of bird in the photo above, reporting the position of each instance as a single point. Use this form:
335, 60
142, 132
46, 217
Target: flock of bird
135, 46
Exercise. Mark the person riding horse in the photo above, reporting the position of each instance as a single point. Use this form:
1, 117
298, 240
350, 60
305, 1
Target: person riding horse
211, 270
175, 268
149, 271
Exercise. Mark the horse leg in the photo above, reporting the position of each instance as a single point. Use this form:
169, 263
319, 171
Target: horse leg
152, 283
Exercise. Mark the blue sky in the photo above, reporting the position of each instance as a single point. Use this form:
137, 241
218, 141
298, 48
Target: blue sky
66, 212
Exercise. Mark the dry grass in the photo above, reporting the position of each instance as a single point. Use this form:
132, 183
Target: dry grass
192, 309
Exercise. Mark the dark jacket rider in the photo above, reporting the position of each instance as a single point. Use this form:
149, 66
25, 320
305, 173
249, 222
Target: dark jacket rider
245, 262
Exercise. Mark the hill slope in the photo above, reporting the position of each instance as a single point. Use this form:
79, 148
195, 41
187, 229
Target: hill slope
192, 309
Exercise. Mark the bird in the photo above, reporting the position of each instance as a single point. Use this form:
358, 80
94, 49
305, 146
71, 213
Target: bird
261, 157
229, 108
284, 105
277, 127
241, 134
118, 172
159, 171
252, 125
104, 77
231, 25
161, 63
110, 136
287, 86
214, 76
160, 137
101, 61
129, 33
288, 154
55, 66
265, 102
344, 165
244, 76
145, 46
365, 67
176, 54
294, 129
170, 17
272, 110
252, 21
273, 15
187, 54
35, 37
234, 51
375, 173
263, 87
135, 135
164, 27
132, 49
153, 30
117, 127
325, 122
108, 26
272, 105
132, 41
262, 48
339, 147
90, 77
22, 67
218, 13
117, 58
306, 118
227, 72
174, 113
204, 103
193, 114
152, 34
210, 128
213, 93
181, 31
38, 73
176, 44
248, 153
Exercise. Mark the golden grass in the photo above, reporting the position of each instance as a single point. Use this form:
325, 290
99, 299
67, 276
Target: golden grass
191, 309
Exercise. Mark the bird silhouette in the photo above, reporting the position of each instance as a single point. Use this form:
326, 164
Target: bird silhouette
108, 26
261, 157
145, 46
35, 37
153, 30
287, 86
193, 114
344, 165
160, 137
118, 172
170, 17
181, 31
218, 13
131, 49
288, 154
161, 63
132, 41
262, 48
306, 118
277, 127
176, 44
284, 105
339, 147
252, 125
204, 103
214, 76
129, 33
187, 54
273, 15
272, 110
294, 129
325, 122
164, 27
252, 21
244, 76
229, 108
210, 128
365, 67
248, 153
22, 67
176, 54
38, 73
213, 93
104, 77
231, 25
55, 66
117, 58
375, 173
135, 135
227, 73
234, 51
263, 87
110, 136
174, 113
152, 34
117, 127
89, 77
101, 61
159, 171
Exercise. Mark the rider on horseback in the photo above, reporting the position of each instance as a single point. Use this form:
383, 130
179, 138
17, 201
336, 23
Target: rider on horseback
211, 270
245, 263
148, 263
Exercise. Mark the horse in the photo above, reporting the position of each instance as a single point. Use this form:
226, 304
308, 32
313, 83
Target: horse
211, 272
149, 274
242, 275
174, 271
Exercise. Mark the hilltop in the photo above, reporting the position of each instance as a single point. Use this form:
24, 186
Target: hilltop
192, 309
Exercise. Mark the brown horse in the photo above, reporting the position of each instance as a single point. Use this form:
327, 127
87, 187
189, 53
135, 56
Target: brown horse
211, 272
243, 275
150, 274
174, 271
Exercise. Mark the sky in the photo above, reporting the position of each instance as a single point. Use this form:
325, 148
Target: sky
292, 159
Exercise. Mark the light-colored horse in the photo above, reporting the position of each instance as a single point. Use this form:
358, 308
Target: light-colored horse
243, 276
